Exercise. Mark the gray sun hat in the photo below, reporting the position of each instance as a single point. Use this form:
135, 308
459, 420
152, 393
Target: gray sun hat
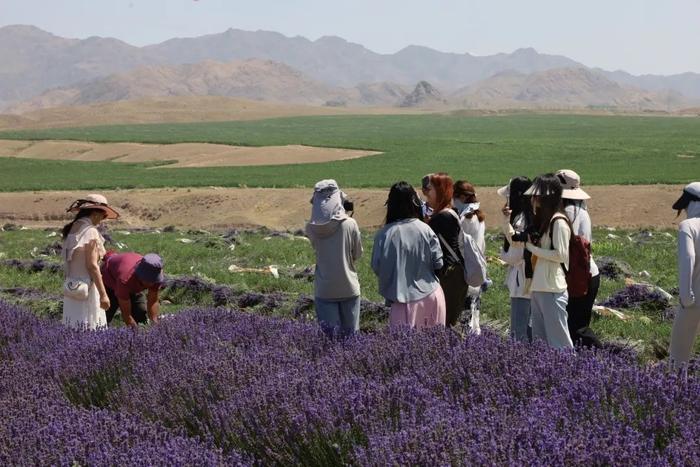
150, 269
327, 203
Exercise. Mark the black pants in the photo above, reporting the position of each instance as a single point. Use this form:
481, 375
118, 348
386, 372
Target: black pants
138, 306
580, 310
455, 289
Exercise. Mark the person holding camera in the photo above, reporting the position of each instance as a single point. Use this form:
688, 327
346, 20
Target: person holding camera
517, 222
548, 292
337, 244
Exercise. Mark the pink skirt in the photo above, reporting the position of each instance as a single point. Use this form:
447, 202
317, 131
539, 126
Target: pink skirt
424, 313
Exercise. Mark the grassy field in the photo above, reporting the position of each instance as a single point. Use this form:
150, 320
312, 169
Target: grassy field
486, 150
209, 257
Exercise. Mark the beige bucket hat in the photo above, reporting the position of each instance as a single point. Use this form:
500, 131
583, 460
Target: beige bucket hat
93, 201
571, 185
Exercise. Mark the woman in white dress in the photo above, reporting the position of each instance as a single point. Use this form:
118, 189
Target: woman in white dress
83, 248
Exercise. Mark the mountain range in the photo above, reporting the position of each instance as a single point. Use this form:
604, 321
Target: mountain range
39, 69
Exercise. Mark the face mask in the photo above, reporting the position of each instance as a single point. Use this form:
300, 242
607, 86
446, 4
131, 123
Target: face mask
458, 204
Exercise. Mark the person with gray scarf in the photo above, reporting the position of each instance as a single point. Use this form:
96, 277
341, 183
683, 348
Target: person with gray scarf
337, 243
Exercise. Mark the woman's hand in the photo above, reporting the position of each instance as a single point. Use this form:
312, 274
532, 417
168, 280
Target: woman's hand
104, 302
506, 211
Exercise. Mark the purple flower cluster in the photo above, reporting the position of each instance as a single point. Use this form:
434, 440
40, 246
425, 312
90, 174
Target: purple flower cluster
217, 386
637, 296
34, 265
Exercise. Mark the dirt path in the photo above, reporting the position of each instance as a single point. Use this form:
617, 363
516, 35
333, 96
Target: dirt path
617, 206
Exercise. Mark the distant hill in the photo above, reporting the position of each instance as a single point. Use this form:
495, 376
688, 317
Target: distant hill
564, 88
265, 80
254, 79
34, 61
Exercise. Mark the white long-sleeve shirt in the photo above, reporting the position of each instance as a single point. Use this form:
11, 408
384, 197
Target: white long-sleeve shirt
548, 275
688, 264
516, 281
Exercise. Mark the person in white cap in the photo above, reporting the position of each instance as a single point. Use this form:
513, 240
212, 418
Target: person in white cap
85, 296
580, 309
549, 296
337, 243
686, 324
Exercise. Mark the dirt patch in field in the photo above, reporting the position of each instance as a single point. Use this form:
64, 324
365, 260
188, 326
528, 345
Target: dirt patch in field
615, 206
177, 109
186, 154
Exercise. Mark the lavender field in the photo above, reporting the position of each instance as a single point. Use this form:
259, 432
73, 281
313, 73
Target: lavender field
223, 387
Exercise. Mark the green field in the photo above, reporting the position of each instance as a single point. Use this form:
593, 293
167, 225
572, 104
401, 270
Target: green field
485, 150
208, 257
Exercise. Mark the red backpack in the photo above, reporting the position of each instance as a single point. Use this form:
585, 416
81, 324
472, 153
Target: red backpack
578, 277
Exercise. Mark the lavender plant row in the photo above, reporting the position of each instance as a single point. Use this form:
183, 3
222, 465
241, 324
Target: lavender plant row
218, 387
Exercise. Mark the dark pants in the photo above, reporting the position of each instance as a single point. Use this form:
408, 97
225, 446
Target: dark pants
455, 289
138, 306
580, 310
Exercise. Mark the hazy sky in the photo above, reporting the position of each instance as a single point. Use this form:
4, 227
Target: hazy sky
639, 36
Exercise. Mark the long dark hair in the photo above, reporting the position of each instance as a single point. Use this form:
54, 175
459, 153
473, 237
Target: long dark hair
519, 204
548, 189
82, 213
402, 203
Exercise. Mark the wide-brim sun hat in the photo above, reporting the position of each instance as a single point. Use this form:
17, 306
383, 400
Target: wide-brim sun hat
571, 185
504, 191
94, 201
691, 193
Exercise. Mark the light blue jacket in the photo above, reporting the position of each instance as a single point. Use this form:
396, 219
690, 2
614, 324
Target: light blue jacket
405, 256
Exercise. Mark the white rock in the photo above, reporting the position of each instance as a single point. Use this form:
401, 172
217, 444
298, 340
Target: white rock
612, 236
185, 240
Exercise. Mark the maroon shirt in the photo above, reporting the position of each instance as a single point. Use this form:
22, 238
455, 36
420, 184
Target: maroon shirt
118, 274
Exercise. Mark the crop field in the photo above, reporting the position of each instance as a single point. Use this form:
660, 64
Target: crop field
486, 150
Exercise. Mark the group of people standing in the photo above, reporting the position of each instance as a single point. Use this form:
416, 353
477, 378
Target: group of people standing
417, 254
417, 257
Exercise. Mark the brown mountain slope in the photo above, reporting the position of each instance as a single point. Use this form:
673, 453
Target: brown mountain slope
564, 88
249, 79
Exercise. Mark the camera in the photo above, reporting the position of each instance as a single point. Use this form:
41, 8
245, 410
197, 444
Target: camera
348, 205
531, 234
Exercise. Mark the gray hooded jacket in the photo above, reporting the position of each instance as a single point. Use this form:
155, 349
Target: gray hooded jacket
338, 245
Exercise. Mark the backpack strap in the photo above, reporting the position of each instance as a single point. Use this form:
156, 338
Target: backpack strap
551, 233
449, 248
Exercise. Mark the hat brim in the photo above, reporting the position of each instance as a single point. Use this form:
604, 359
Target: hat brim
504, 191
144, 276
683, 202
111, 213
576, 193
